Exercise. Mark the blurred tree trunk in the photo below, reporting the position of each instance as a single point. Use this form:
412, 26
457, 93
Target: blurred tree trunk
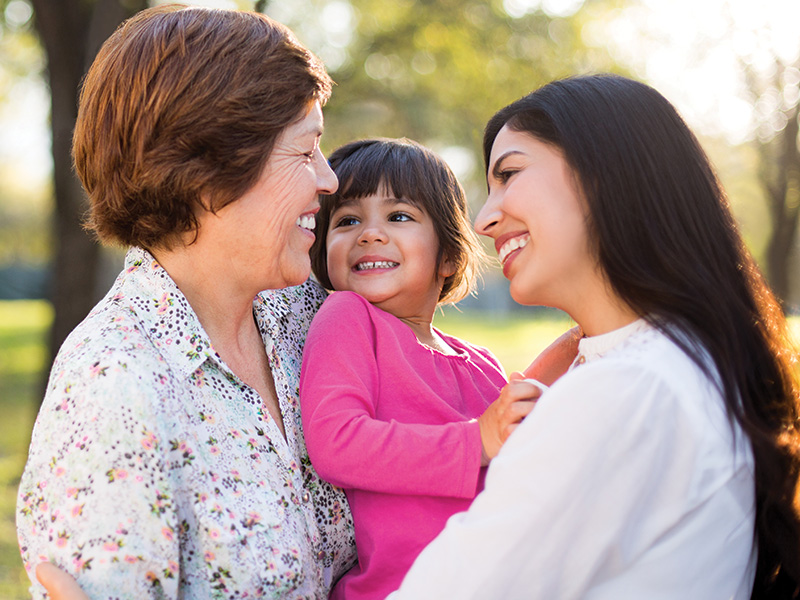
71, 32
779, 174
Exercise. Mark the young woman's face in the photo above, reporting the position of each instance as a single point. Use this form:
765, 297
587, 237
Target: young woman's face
537, 218
385, 249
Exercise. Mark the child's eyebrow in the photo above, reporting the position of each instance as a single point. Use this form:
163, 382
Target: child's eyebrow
394, 200
346, 203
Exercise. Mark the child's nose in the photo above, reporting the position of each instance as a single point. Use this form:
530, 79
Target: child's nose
372, 234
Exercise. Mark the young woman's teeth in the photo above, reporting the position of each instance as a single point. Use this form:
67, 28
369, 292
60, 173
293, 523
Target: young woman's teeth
378, 264
511, 245
306, 222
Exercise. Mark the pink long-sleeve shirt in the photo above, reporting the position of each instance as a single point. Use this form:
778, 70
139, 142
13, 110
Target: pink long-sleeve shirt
390, 420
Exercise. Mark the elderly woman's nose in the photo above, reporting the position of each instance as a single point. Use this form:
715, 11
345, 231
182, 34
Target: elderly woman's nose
327, 182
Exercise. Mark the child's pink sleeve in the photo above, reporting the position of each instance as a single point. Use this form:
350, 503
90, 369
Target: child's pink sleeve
348, 446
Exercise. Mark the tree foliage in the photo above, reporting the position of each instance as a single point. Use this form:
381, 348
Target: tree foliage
435, 71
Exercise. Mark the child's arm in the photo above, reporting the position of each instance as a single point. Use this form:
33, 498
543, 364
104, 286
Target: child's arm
505, 414
348, 445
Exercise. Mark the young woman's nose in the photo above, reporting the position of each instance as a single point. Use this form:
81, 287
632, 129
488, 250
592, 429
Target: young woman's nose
489, 216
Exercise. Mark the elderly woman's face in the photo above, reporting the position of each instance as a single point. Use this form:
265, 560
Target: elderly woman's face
268, 232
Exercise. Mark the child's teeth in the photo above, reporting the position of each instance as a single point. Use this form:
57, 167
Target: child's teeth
378, 264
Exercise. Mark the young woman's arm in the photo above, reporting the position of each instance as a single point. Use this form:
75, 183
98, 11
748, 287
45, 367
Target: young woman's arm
554, 360
606, 489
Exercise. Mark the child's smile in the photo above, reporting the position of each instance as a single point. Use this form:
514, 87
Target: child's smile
386, 249
371, 265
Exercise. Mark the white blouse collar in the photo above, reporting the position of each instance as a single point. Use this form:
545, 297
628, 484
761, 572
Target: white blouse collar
591, 348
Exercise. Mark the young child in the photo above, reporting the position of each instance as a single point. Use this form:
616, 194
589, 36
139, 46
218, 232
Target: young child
393, 410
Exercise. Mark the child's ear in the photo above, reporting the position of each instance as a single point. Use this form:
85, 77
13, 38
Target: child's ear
446, 268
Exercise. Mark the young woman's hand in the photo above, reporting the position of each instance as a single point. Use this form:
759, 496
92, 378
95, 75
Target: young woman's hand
554, 360
506, 413
59, 584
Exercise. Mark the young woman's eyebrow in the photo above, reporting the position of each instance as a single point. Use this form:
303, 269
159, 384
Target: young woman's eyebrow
499, 162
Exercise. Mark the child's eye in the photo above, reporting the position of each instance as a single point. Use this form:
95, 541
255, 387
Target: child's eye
347, 221
400, 217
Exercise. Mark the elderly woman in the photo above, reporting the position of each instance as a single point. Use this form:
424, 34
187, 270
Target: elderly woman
168, 458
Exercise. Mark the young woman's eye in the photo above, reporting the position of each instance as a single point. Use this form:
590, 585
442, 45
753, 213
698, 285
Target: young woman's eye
346, 221
504, 175
400, 217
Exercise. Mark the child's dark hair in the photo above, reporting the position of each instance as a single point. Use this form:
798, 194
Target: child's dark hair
414, 173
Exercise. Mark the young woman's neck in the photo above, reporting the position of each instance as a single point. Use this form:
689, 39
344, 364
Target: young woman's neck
601, 313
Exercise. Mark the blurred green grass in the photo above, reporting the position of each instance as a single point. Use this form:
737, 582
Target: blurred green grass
515, 339
23, 327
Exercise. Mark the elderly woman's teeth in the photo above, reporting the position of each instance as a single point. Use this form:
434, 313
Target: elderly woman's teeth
306, 222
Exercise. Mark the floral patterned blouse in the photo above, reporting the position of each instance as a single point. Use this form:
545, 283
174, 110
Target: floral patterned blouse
155, 472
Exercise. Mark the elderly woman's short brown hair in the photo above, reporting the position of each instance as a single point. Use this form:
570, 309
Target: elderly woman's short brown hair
182, 103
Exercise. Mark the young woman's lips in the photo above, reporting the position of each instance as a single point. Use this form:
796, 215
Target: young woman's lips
508, 246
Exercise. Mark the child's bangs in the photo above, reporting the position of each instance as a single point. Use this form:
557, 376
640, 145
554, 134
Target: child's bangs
399, 171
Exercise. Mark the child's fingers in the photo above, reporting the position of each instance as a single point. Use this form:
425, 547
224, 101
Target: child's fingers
515, 415
522, 389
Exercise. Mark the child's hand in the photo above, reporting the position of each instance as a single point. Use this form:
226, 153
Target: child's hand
503, 416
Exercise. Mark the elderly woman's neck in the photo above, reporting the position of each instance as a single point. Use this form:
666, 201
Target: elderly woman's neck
223, 307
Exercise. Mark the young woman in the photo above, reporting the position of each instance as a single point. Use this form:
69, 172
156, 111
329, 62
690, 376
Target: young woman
665, 463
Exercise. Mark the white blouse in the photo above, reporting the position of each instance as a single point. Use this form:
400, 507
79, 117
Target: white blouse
626, 481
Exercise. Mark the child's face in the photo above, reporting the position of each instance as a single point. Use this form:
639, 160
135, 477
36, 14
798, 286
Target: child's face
385, 249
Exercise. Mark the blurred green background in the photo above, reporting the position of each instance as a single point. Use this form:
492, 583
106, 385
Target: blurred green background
431, 70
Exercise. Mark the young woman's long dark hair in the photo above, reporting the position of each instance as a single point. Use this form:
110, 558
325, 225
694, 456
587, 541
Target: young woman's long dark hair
663, 233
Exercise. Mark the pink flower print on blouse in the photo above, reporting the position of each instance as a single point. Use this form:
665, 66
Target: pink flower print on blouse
151, 469
163, 304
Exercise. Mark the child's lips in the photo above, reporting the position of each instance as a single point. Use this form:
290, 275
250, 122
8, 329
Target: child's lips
370, 265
